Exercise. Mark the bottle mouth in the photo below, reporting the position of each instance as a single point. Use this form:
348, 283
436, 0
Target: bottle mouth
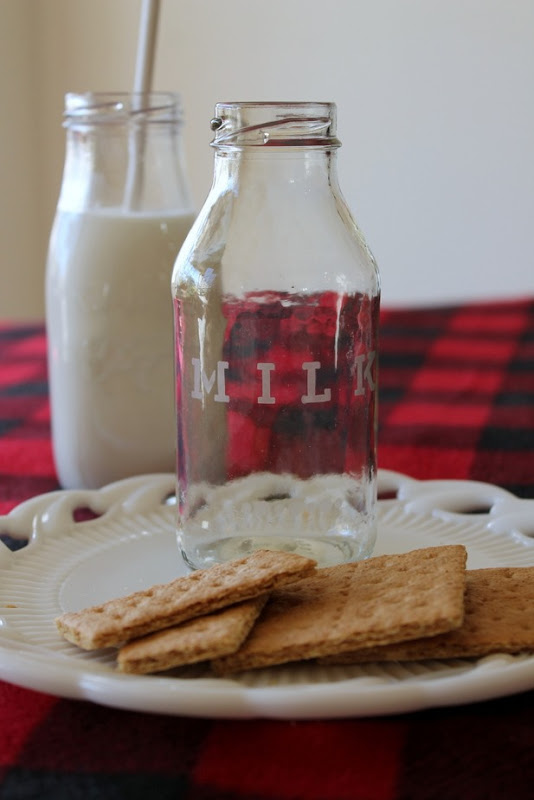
264, 124
102, 108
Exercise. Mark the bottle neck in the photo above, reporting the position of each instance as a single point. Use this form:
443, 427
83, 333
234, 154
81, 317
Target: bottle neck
293, 170
124, 156
264, 148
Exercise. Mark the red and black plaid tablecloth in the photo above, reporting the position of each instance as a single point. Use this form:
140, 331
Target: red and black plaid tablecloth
456, 400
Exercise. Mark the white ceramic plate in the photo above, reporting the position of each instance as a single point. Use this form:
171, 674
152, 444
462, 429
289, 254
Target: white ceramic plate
68, 565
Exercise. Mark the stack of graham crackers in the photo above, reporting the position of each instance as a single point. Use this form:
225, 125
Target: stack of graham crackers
273, 607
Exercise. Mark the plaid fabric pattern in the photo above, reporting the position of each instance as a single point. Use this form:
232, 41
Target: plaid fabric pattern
26, 463
288, 436
457, 394
456, 400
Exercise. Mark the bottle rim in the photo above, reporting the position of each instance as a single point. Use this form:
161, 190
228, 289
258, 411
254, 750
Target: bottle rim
284, 124
103, 108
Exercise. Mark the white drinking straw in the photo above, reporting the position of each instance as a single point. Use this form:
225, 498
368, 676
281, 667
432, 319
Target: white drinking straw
146, 45
144, 68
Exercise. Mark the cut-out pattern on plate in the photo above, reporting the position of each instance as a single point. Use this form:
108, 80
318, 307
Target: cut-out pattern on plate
131, 545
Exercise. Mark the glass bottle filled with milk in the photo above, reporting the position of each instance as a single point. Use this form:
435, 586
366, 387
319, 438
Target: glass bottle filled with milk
276, 301
123, 212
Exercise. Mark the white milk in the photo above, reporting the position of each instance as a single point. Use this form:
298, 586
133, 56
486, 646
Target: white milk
110, 334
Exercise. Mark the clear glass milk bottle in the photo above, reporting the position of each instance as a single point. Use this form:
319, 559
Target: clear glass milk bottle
276, 301
123, 213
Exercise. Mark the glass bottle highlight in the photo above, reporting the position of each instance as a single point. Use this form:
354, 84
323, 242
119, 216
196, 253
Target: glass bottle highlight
276, 302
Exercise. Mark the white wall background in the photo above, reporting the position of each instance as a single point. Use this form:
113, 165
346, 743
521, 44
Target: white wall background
435, 111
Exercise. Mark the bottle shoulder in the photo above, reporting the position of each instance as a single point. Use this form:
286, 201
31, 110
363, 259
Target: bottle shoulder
307, 245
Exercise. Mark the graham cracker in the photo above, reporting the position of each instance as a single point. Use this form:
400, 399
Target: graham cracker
385, 599
200, 639
169, 604
498, 618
